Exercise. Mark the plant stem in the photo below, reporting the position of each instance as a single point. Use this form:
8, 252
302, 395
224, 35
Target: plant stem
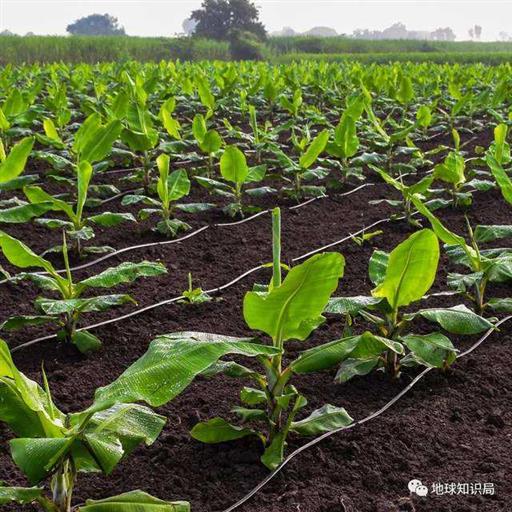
276, 247
62, 486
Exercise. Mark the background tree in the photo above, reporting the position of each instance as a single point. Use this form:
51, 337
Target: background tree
217, 18
96, 25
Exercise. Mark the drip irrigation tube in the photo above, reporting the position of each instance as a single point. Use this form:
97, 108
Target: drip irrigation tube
366, 419
185, 237
211, 291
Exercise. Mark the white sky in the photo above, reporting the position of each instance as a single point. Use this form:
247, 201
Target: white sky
164, 17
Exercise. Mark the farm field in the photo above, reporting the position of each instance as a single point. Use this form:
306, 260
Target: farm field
341, 231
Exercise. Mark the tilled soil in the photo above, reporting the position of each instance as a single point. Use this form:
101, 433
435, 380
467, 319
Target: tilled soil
453, 427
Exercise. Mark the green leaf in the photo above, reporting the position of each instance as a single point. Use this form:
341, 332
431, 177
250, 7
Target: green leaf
233, 165
502, 178
109, 219
85, 305
501, 305
36, 195
442, 232
491, 233
451, 170
350, 305
36, 457
18, 322
24, 213
179, 185
274, 453
211, 142
199, 127
218, 430
322, 420
294, 309
377, 266
252, 396
456, 320
411, 269
134, 501
86, 342
126, 272
169, 366
355, 368
15, 162
19, 254
314, 150
433, 350
19, 495
361, 346
99, 143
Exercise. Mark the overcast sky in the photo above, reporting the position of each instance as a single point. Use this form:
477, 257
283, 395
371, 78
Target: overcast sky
164, 17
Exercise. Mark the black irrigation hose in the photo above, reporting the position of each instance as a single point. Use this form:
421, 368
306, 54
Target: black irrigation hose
211, 291
372, 416
189, 235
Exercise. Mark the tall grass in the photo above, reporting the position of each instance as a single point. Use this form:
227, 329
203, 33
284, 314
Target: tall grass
43, 49
75, 49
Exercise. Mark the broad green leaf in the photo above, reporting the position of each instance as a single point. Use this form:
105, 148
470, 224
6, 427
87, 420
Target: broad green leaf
314, 150
51, 131
377, 266
179, 185
350, 368
456, 320
233, 165
109, 219
134, 501
85, 305
501, 305
36, 194
20, 255
169, 366
199, 128
24, 213
126, 272
362, 346
19, 495
86, 342
99, 143
322, 420
411, 270
15, 162
491, 233
501, 177
350, 305
211, 142
18, 322
294, 309
452, 169
433, 350
36, 457
218, 430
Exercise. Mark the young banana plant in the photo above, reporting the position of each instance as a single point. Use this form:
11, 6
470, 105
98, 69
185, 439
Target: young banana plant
285, 310
486, 265
208, 140
55, 447
78, 226
497, 157
67, 310
236, 173
401, 278
170, 187
301, 171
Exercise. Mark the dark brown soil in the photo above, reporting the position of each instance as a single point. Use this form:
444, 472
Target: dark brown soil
452, 427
